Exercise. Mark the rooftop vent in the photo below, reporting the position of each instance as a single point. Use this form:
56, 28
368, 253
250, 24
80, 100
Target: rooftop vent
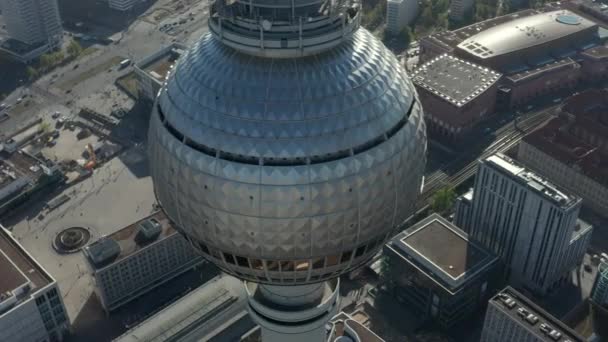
149, 230
103, 251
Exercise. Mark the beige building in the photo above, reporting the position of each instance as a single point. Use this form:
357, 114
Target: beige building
138, 258
31, 306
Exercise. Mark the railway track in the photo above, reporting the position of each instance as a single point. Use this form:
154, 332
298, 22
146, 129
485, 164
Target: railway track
509, 136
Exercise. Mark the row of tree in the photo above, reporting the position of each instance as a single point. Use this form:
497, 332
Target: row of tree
50, 60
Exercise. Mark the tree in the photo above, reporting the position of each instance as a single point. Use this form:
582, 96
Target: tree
32, 73
45, 61
406, 35
387, 274
44, 127
443, 200
74, 49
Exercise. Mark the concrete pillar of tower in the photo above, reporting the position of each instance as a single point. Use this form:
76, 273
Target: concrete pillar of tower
293, 313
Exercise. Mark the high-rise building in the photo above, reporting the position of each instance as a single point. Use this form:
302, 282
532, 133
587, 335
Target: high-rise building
399, 14
528, 222
122, 5
512, 317
460, 8
439, 273
33, 22
288, 145
136, 259
31, 306
572, 149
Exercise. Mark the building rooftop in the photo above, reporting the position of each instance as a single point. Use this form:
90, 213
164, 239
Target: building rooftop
556, 141
525, 32
19, 47
346, 327
532, 73
442, 251
533, 318
453, 79
589, 112
112, 248
159, 64
451, 39
20, 274
531, 180
600, 51
201, 315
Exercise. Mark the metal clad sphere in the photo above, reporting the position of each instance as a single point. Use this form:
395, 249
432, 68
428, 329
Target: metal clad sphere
288, 171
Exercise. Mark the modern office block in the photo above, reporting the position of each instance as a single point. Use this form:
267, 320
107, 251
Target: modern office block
512, 317
439, 273
31, 307
122, 5
33, 26
463, 209
399, 14
528, 222
460, 8
138, 258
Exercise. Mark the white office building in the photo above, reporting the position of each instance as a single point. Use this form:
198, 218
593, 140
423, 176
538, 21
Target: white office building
34, 27
31, 307
512, 317
460, 8
528, 222
137, 259
122, 5
400, 13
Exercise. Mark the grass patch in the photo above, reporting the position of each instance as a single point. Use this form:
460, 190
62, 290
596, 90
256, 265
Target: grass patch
128, 83
85, 75
88, 51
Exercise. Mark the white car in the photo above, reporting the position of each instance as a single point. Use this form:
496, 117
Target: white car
19, 100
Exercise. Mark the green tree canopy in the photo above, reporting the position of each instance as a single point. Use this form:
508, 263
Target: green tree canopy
443, 200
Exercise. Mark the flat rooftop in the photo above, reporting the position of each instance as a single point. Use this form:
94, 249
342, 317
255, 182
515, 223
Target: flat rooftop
19, 48
533, 318
125, 242
453, 79
343, 320
529, 74
442, 251
17, 267
531, 180
22, 164
555, 140
159, 64
202, 314
10, 275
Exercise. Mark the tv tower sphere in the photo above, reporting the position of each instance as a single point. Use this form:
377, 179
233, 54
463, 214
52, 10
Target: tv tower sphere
288, 143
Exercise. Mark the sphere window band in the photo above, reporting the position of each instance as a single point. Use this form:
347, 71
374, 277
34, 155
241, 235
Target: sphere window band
288, 271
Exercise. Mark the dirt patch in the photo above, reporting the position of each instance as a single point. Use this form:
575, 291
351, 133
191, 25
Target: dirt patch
69, 84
